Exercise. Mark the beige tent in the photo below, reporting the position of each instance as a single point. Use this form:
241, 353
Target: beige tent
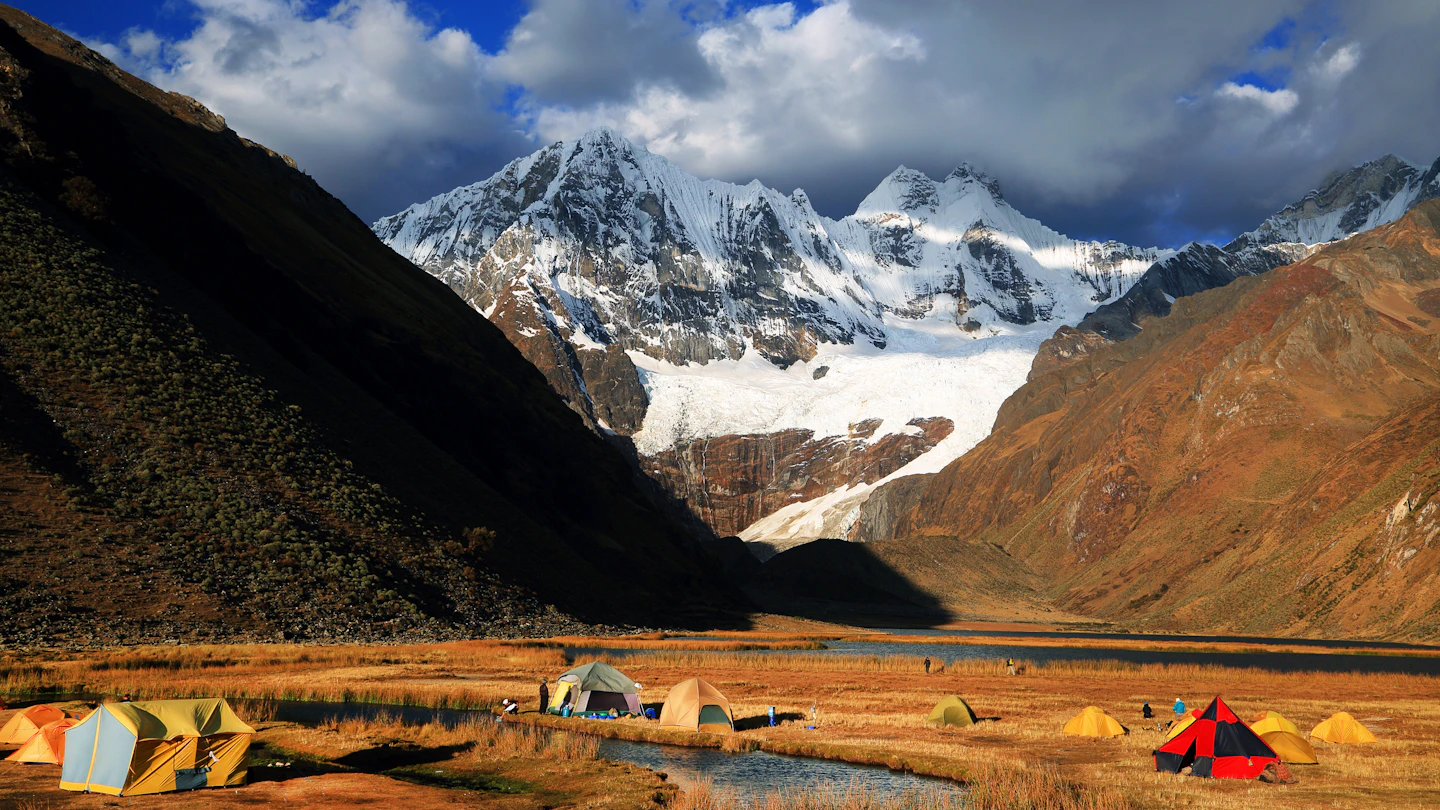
698, 706
46, 747
19, 729
951, 711
1092, 721
1342, 728
1284, 738
125, 749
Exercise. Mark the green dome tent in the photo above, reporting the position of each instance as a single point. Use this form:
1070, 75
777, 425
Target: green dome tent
951, 711
595, 687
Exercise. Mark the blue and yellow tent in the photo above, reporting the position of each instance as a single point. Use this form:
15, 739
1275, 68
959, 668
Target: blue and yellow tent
126, 749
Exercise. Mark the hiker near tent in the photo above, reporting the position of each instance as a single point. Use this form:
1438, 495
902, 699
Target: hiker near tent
927, 666
1179, 707
595, 688
1216, 745
156, 746
544, 694
1146, 711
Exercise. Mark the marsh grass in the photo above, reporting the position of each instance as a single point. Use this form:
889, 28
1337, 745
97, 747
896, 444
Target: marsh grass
486, 739
337, 674
871, 711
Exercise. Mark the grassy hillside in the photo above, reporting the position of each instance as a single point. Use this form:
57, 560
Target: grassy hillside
221, 389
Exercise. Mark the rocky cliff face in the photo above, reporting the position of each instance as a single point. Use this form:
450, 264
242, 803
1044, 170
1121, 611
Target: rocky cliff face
733, 481
685, 312
1264, 459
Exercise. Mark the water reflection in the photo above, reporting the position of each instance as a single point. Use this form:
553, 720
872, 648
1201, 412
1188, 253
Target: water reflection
949, 653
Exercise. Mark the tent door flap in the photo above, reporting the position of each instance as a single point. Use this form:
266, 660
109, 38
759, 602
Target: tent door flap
191, 778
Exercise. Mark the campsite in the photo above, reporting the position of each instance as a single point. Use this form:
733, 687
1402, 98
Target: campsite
1002, 738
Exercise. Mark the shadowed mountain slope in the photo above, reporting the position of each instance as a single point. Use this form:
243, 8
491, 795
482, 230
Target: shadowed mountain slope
259, 412
1262, 460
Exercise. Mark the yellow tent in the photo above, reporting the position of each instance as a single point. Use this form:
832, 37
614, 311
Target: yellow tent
951, 711
698, 706
1266, 722
126, 749
46, 747
1092, 721
1284, 738
20, 728
1182, 724
1342, 728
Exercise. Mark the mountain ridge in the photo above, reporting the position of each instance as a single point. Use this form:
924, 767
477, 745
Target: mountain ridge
355, 411
1154, 481
707, 298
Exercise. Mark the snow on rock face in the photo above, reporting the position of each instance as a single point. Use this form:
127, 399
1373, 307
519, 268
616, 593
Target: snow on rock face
1357, 200
929, 301
1353, 201
688, 271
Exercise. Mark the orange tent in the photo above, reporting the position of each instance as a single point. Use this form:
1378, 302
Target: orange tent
46, 747
27, 724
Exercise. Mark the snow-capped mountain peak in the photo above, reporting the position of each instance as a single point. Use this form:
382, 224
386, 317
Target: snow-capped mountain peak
745, 312
1348, 202
690, 270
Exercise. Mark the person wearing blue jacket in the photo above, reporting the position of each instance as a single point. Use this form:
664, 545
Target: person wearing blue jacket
1179, 707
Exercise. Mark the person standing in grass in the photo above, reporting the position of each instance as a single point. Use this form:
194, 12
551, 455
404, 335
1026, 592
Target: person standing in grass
1179, 707
544, 694
927, 665
1010, 666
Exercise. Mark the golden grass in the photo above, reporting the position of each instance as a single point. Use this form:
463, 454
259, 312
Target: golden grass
486, 739
288, 672
871, 710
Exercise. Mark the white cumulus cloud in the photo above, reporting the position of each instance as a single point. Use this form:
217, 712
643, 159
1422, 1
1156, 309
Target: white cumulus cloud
1275, 102
365, 95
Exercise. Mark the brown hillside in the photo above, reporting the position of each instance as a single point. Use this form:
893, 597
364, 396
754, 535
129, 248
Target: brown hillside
1264, 460
256, 409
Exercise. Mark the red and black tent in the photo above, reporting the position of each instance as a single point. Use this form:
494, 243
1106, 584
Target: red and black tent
1216, 745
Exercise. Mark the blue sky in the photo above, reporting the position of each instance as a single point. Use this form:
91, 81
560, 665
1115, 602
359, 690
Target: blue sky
1150, 123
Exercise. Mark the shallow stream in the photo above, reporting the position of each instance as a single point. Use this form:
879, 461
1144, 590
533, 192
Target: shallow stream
746, 775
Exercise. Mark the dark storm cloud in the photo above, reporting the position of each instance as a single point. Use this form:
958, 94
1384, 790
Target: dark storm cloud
585, 51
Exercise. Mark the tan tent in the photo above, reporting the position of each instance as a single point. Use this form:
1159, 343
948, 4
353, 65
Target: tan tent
20, 728
1342, 728
698, 706
1284, 738
1092, 721
46, 747
951, 711
126, 749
